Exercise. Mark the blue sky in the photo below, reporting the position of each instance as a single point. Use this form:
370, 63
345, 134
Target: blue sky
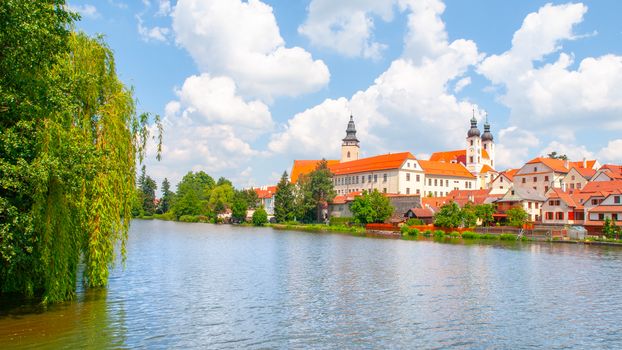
246, 87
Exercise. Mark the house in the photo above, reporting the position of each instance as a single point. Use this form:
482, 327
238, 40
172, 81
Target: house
562, 208
396, 173
340, 205
442, 178
609, 208
475, 197
303, 167
529, 199
540, 174
503, 182
265, 195
608, 172
577, 178
426, 215
402, 204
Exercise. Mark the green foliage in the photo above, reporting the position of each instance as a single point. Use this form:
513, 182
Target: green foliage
221, 197
69, 140
484, 212
404, 230
193, 193
284, 200
554, 155
454, 234
469, 215
189, 218
507, 237
611, 230
239, 206
427, 233
469, 235
439, 234
316, 190
371, 207
517, 216
449, 216
167, 197
414, 222
260, 217
147, 188
336, 221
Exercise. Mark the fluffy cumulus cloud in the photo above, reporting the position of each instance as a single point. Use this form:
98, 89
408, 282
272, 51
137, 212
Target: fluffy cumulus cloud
405, 102
86, 10
346, 26
514, 147
553, 93
242, 40
210, 127
151, 33
612, 153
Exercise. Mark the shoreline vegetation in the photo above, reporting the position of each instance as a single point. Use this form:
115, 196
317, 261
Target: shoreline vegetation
410, 234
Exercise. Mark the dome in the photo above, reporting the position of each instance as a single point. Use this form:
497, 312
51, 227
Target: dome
487, 136
474, 131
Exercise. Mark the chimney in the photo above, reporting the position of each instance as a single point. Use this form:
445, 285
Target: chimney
584, 162
566, 163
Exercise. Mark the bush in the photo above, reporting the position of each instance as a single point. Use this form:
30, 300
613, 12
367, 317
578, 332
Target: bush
335, 221
169, 216
507, 237
260, 217
439, 234
469, 235
189, 218
414, 222
454, 234
414, 232
427, 233
404, 230
487, 236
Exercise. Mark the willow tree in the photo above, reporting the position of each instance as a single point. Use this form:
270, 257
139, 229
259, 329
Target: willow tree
69, 144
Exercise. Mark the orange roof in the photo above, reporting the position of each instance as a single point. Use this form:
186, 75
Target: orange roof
602, 186
463, 197
510, 173
557, 165
381, 162
613, 171
487, 168
585, 172
557, 193
302, 167
589, 164
265, 193
342, 199
454, 156
607, 209
447, 169
434, 202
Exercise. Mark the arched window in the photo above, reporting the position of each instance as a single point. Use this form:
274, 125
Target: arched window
348, 154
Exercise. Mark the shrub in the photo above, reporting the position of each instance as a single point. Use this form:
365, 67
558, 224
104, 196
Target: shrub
427, 233
507, 237
260, 217
335, 221
414, 222
487, 236
439, 234
454, 234
414, 232
404, 230
189, 218
470, 235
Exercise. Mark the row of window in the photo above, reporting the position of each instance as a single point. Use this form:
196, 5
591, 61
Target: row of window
535, 179
351, 190
352, 180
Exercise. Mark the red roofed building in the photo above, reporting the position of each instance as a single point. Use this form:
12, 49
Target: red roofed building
609, 208
562, 208
608, 172
442, 178
541, 174
503, 182
303, 167
265, 194
577, 178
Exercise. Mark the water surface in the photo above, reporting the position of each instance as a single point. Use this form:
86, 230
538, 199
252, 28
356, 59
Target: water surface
208, 286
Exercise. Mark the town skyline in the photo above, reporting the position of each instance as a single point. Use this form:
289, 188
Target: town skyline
410, 86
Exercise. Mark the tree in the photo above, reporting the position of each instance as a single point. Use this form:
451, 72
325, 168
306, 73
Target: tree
239, 206
371, 207
260, 217
193, 193
484, 212
317, 190
554, 155
469, 215
449, 216
69, 143
517, 216
250, 197
167, 197
221, 198
147, 188
284, 200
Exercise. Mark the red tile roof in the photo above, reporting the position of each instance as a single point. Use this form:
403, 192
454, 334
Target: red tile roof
454, 156
607, 209
487, 168
589, 164
462, 197
446, 169
434, 202
557, 165
342, 199
587, 173
422, 212
602, 186
302, 167
381, 162
265, 193
557, 193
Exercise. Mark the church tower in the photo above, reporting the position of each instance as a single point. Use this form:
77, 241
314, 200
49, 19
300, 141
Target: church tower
474, 148
350, 146
488, 143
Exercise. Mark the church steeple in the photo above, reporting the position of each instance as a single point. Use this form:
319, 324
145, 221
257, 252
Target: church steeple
487, 136
350, 144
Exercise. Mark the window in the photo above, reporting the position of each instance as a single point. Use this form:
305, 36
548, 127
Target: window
417, 178
529, 205
578, 185
408, 164
363, 179
546, 188
501, 179
435, 194
594, 201
435, 182
524, 180
348, 154
500, 187
614, 217
546, 178
535, 179
418, 191
601, 217
549, 215
384, 178
446, 183
485, 146
407, 177
535, 169
369, 178
384, 190
471, 142
616, 199
471, 158
572, 177
407, 190
572, 186
559, 216
375, 177
429, 182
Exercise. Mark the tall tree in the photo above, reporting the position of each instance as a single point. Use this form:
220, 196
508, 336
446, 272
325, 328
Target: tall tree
284, 200
449, 216
371, 207
554, 155
321, 188
239, 206
167, 197
517, 216
484, 212
68, 148
221, 198
193, 193
147, 188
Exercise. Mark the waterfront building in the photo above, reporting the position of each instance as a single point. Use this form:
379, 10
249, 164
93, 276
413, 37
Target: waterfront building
540, 174
527, 198
442, 178
562, 208
608, 172
577, 178
265, 195
503, 182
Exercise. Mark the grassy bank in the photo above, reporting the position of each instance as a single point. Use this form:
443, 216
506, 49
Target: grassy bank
358, 230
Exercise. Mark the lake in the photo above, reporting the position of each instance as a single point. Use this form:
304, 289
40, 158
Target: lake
220, 286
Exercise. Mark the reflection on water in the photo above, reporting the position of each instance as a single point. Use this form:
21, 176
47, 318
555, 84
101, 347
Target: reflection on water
199, 285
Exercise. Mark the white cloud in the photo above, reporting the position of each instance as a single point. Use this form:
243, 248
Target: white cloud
554, 94
612, 153
87, 11
242, 40
346, 26
573, 152
164, 8
152, 34
513, 147
398, 111
461, 84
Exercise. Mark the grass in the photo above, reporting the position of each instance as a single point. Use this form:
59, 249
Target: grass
319, 228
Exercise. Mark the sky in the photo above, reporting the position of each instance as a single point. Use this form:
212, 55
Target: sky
246, 87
